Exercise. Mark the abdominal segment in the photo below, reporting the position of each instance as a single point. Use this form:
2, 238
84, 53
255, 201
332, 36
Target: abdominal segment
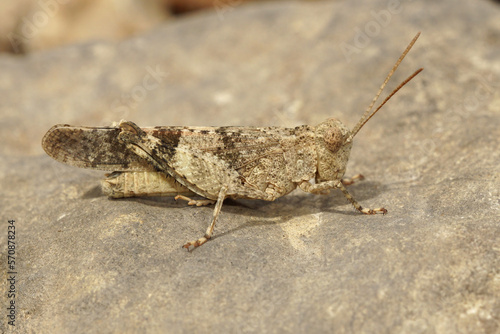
137, 184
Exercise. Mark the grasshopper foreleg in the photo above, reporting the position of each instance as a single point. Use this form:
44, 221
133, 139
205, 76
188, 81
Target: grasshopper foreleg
321, 188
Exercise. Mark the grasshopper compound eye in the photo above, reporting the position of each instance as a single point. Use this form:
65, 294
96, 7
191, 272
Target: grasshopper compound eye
333, 139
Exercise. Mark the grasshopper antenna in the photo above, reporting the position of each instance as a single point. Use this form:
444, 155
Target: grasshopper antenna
367, 115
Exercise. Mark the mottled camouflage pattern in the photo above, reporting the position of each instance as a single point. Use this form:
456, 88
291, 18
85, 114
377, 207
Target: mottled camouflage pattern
256, 163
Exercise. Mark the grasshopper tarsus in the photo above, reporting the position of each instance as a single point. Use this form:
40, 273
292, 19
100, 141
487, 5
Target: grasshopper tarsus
196, 243
195, 202
350, 181
367, 211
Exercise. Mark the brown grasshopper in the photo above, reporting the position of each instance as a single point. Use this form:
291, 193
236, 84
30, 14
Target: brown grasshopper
216, 162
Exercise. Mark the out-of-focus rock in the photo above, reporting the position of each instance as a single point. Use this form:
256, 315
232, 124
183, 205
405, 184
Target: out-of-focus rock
30, 25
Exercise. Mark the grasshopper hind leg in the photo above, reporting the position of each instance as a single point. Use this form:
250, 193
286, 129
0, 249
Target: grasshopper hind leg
210, 229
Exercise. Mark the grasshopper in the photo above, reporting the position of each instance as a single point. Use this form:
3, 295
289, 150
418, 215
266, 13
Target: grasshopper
216, 163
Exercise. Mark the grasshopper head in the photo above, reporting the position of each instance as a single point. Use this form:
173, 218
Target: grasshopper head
334, 139
333, 146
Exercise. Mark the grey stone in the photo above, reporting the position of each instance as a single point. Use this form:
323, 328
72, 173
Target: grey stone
303, 263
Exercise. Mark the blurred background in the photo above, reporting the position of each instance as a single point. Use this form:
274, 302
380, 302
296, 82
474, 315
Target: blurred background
31, 25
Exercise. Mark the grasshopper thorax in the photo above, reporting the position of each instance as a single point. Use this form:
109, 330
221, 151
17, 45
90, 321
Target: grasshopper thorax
333, 146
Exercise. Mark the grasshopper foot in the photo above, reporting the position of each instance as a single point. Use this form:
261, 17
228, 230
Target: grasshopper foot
197, 202
196, 243
373, 211
352, 180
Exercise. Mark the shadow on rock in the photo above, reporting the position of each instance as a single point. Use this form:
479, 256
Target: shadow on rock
296, 204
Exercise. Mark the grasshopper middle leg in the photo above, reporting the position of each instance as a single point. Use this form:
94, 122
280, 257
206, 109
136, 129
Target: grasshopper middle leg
210, 229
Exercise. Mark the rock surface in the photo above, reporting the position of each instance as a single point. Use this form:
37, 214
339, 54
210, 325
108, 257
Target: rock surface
303, 263
33, 25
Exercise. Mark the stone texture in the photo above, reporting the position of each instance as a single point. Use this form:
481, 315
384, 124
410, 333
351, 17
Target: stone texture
301, 263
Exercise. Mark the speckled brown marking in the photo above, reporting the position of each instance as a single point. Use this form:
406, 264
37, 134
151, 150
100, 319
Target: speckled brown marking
96, 148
